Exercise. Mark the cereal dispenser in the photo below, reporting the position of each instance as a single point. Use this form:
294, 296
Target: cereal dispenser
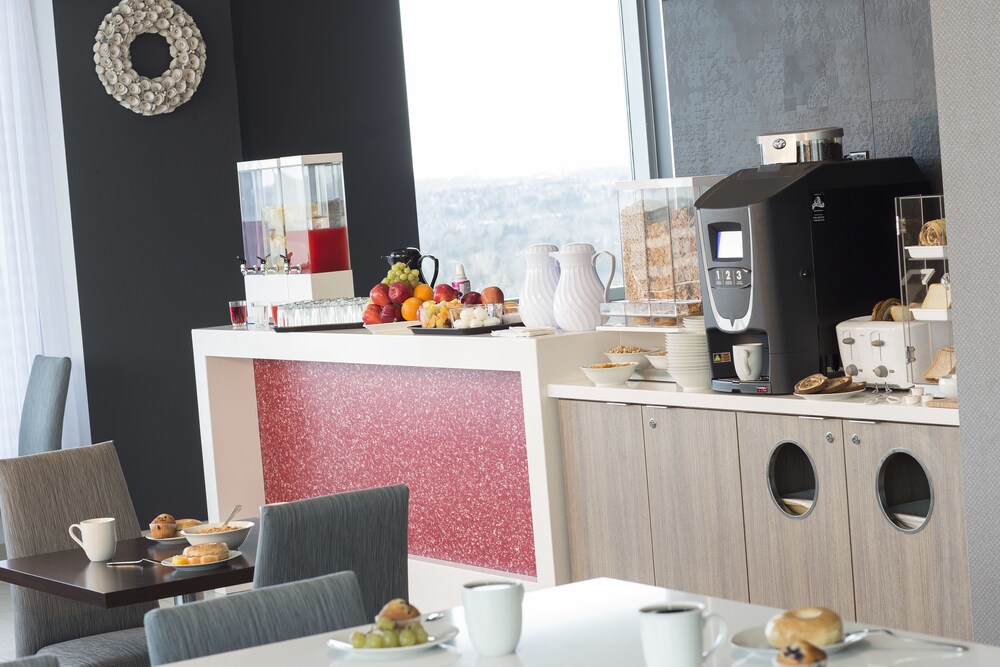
294, 217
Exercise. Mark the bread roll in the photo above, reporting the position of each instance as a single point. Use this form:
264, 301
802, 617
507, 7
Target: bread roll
817, 625
208, 549
184, 524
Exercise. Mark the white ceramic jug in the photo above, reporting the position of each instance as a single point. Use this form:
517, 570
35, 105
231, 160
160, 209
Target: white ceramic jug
540, 282
580, 293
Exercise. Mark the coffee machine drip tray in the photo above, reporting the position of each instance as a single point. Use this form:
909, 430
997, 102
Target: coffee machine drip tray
736, 386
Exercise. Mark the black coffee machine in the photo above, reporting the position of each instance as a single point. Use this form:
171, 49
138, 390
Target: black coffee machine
789, 250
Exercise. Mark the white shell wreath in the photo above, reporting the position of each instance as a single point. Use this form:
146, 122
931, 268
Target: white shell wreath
113, 64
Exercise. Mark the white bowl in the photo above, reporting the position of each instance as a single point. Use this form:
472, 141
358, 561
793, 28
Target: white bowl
609, 377
659, 361
638, 357
698, 379
232, 538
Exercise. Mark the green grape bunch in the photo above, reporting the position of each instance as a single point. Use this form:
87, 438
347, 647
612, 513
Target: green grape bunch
401, 273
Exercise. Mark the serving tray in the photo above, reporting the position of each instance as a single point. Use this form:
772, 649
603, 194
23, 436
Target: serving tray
460, 332
321, 327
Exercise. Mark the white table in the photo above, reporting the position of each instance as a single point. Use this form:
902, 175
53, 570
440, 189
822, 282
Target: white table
596, 623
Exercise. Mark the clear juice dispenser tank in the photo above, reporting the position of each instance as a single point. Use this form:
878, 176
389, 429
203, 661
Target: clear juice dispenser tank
315, 212
261, 213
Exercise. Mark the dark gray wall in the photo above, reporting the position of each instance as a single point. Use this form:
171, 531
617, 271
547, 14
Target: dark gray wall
967, 57
155, 203
739, 69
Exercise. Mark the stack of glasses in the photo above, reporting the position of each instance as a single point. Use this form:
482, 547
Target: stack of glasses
345, 311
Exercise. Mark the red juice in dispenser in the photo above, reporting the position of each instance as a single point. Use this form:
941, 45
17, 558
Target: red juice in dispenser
315, 212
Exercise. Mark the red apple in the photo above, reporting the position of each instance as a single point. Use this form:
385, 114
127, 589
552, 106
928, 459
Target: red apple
400, 292
444, 292
492, 295
380, 295
390, 313
372, 314
472, 297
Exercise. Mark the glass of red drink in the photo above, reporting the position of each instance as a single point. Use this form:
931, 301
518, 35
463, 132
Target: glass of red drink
238, 314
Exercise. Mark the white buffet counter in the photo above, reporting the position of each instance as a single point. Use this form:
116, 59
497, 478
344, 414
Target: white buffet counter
470, 423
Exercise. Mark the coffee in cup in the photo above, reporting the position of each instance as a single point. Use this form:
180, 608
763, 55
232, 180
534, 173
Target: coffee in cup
672, 634
493, 615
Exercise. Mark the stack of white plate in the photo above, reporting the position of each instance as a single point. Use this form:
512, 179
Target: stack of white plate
687, 358
694, 323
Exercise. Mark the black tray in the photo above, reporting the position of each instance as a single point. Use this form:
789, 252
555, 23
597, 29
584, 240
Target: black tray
321, 327
460, 332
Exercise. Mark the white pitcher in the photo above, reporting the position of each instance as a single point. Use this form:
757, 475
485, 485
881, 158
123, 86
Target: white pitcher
580, 293
540, 282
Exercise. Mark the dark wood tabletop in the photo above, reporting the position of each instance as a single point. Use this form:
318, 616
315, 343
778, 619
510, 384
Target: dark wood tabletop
70, 574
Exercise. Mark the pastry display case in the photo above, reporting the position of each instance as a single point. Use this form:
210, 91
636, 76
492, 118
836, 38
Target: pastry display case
925, 292
659, 252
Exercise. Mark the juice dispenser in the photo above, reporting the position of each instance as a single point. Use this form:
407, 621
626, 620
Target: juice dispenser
294, 219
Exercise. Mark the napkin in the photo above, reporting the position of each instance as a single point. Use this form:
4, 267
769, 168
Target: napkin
524, 332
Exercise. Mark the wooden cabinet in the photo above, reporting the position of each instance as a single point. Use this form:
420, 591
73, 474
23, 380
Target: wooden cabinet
776, 510
695, 504
604, 467
796, 560
907, 573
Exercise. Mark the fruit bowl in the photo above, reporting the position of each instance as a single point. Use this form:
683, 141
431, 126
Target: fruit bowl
232, 538
638, 357
473, 316
610, 375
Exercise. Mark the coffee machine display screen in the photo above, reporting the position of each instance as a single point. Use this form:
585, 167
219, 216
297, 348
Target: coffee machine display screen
729, 244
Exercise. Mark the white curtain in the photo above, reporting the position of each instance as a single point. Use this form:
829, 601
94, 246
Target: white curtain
35, 317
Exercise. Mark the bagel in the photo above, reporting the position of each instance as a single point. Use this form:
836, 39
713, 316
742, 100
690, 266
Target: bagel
207, 549
817, 625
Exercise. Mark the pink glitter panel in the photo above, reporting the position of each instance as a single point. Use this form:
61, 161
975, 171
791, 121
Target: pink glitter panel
454, 437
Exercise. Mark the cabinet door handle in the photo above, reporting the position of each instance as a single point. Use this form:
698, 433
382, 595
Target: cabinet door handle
811, 417
861, 421
618, 404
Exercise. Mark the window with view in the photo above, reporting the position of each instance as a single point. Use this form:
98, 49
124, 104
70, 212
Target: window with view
518, 121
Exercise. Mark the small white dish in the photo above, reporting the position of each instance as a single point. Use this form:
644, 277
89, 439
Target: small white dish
832, 397
657, 361
638, 357
755, 641
609, 377
393, 327
166, 540
201, 566
438, 632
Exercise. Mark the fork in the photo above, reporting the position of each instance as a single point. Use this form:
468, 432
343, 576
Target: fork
861, 634
132, 562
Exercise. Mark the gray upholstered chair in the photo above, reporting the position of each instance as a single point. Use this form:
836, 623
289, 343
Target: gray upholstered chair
254, 618
40, 496
44, 406
32, 661
362, 531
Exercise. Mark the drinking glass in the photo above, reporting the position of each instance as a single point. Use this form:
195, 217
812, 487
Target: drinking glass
258, 314
238, 314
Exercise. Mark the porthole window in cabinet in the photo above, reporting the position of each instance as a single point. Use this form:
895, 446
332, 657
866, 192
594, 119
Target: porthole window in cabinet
791, 479
904, 491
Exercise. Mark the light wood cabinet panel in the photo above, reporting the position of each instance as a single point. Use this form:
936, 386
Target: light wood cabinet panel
805, 560
695, 503
607, 507
918, 580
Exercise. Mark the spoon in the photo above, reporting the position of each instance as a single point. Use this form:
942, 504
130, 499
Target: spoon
861, 634
132, 562
232, 514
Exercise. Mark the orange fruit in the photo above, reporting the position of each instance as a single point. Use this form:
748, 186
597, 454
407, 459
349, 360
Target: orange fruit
423, 292
410, 308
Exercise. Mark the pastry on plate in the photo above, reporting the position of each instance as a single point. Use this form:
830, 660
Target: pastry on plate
817, 625
801, 653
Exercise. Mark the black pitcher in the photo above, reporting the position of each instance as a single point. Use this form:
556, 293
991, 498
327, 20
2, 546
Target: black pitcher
414, 260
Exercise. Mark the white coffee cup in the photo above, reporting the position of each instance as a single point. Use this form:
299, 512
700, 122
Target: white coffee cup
749, 361
493, 615
97, 537
672, 634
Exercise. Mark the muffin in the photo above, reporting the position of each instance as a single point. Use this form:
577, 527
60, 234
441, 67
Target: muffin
163, 526
801, 653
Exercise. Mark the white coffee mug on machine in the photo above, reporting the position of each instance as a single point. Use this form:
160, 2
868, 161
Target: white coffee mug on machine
672, 634
749, 361
493, 615
97, 537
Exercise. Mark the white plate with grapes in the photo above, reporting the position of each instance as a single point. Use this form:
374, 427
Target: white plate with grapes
437, 632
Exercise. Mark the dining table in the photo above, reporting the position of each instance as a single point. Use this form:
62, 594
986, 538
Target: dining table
595, 623
70, 574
